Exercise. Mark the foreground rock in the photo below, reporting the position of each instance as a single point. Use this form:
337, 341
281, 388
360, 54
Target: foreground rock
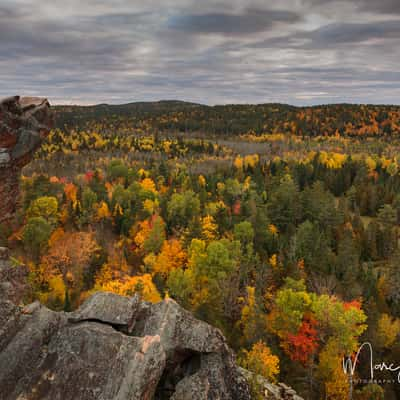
269, 390
24, 122
114, 348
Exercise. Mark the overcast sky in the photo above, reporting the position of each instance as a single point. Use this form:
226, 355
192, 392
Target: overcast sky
212, 52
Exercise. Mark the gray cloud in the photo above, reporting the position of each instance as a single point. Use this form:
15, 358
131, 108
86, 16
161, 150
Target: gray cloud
374, 6
300, 52
383, 6
250, 20
336, 35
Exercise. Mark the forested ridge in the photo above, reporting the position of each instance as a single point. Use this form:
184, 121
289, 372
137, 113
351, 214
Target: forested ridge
177, 116
287, 240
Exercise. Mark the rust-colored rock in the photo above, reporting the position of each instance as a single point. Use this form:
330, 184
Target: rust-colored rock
24, 122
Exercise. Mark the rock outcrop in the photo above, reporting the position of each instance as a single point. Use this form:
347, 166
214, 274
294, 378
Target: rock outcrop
269, 390
114, 348
24, 122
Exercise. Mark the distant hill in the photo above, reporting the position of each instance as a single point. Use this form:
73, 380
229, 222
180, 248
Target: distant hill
173, 115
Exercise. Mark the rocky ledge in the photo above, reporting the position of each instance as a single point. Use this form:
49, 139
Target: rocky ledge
113, 348
24, 122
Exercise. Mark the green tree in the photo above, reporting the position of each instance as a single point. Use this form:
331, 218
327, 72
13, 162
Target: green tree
45, 207
89, 200
156, 237
312, 247
117, 169
182, 207
371, 391
244, 232
36, 235
347, 263
284, 208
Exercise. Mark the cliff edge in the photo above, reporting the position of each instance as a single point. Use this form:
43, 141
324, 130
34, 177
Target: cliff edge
112, 347
24, 122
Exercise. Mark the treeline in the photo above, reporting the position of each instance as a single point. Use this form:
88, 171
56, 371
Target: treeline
174, 116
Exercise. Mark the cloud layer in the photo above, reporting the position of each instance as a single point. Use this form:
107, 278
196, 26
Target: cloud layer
226, 51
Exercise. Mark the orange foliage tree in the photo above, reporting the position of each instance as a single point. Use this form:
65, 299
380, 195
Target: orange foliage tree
171, 257
69, 254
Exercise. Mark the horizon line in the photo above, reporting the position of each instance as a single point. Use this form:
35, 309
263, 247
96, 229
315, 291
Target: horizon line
89, 104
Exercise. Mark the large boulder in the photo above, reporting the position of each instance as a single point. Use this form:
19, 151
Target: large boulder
24, 122
114, 347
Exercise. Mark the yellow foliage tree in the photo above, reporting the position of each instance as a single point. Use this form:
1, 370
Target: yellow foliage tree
273, 261
209, 229
388, 330
148, 184
238, 163
103, 212
118, 211
202, 181
171, 257
371, 163
150, 206
252, 321
330, 370
273, 230
261, 361
130, 285
148, 235
141, 233
55, 296
251, 160
246, 183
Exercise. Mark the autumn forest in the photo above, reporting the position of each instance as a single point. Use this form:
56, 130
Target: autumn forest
277, 224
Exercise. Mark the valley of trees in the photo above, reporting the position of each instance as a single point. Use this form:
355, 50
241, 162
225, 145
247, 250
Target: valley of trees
283, 232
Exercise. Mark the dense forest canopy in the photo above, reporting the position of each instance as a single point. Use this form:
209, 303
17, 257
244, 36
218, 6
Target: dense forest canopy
283, 231
176, 116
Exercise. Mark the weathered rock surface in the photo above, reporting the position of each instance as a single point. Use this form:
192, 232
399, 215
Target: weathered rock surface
269, 390
24, 122
113, 348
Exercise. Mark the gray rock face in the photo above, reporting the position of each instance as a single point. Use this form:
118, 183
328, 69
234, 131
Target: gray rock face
109, 308
114, 347
269, 390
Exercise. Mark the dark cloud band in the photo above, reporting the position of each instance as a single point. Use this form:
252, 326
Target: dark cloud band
248, 22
